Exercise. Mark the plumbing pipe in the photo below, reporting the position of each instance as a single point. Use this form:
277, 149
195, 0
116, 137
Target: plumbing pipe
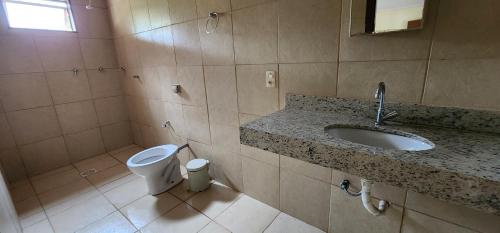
366, 186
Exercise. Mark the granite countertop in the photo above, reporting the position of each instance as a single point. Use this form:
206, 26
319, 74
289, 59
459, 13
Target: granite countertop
463, 168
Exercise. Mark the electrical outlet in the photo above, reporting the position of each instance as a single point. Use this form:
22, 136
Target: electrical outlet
270, 78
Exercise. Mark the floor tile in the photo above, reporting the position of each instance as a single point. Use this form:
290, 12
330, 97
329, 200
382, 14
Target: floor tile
40, 227
289, 224
108, 175
183, 219
213, 227
127, 193
113, 223
146, 209
123, 156
81, 215
182, 191
213, 201
98, 163
116, 151
247, 215
113, 184
21, 191
30, 212
62, 198
54, 179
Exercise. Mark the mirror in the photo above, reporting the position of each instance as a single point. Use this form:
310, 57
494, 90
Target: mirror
381, 16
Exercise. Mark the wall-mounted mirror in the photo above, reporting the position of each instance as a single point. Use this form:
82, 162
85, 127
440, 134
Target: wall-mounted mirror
381, 16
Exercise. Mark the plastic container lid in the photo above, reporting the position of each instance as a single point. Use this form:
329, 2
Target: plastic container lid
196, 164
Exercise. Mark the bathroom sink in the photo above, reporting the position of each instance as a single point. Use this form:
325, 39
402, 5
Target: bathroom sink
380, 139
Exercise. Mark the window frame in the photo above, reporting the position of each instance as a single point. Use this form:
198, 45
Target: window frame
69, 8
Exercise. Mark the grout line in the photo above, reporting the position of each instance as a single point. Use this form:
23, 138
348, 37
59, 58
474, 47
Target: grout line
431, 45
339, 38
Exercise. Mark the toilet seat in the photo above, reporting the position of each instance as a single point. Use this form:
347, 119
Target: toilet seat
152, 155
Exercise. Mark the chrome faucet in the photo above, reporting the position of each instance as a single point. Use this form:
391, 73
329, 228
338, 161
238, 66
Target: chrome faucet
380, 96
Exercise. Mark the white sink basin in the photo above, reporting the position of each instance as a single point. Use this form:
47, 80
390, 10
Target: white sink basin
380, 139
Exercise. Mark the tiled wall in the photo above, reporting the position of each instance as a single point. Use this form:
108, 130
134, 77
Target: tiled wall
50, 117
454, 61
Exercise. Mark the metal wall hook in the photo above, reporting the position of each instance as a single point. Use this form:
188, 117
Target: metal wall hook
136, 77
124, 69
100, 69
212, 16
75, 71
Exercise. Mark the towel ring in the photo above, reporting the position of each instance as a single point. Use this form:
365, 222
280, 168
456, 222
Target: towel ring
211, 17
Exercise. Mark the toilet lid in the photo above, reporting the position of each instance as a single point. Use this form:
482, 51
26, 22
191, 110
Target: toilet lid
196, 164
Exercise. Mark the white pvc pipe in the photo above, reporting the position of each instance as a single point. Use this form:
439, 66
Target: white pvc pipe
366, 186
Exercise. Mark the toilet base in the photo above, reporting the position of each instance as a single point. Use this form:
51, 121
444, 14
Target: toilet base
160, 183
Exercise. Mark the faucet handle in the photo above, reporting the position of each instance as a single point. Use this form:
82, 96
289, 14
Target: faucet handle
390, 115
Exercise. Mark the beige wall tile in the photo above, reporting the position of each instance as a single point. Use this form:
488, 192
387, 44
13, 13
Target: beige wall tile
6, 137
255, 32
116, 135
163, 41
261, 181
53, 59
391, 46
228, 168
197, 126
260, 155
237, 4
151, 83
168, 77
92, 24
76, 117
121, 17
404, 80
463, 83
253, 95
227, 137
140, 15
465, 33
105, 84
357, 218
159, 13
307, 169
187, 43
34, 124
205, 6
147, 48
131, 51
67, 87
24, 91
305, 198
158, 114
222, 97
309, 30
84, 144
111, 110
192, 84
182, 10
18, 55
217, 46
415, 222
13, 166
380, 190
246, 118
149, 136
45, 155
98, 53
318, 79
176, 118
459, 215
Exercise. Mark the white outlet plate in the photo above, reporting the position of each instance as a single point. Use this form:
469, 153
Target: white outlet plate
270, 78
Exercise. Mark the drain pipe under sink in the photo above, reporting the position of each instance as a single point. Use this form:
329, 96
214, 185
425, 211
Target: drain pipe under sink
365, 193
366, 186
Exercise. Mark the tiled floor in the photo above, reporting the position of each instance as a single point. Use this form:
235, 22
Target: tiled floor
111, 199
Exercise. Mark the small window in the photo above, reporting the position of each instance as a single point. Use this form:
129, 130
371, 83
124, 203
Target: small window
39, 14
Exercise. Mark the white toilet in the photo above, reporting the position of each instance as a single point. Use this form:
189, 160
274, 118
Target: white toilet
159, 166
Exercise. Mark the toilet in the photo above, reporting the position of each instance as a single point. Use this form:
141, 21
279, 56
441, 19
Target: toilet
159, 166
